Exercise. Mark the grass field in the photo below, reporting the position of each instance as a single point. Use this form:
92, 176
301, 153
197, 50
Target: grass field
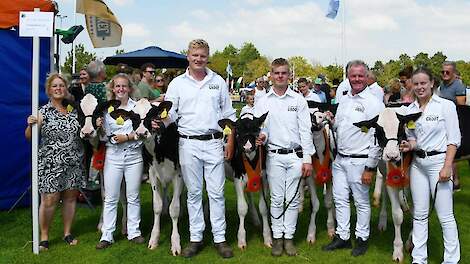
15, 232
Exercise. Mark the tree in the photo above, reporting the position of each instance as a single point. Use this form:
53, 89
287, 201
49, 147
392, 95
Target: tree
334, 72
247, 54
256, 68
301, 66
82, 59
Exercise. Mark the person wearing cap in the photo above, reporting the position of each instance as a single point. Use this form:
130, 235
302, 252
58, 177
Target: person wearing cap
200, 99
318, 92
356, 162
287, 134
434, 138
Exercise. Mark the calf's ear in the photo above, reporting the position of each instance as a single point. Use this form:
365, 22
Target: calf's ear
367, 124
262, 118
226, 122
410, 117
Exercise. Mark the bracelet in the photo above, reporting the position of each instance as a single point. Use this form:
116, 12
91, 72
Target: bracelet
127, 135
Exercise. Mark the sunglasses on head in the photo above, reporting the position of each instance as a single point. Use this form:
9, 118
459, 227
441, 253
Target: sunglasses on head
152, 72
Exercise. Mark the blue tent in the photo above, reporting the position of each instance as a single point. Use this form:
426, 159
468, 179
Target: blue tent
159, 57
15, 106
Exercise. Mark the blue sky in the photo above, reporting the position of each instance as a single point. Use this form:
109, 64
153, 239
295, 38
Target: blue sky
375, 29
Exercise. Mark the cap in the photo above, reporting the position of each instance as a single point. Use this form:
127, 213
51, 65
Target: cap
318, 81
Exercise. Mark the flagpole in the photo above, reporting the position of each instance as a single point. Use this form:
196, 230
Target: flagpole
73, 44
343, 38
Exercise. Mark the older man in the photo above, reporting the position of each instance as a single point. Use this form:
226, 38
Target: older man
287, 133
96, 87
374, 87
356, 162
200, 98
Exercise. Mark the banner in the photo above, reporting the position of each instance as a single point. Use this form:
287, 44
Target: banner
102, 26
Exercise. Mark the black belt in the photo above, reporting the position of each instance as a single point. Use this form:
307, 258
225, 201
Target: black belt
216, 135
286, 151
354, 156
423, 154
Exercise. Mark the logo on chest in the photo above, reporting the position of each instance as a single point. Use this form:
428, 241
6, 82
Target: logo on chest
292, 108
213, 86
432, 118
359, 108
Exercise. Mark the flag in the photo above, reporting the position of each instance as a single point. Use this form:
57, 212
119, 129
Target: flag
333, 9
103, 27
229, 69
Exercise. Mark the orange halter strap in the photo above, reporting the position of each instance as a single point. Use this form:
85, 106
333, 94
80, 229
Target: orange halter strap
323, 171
398, 177
254, 175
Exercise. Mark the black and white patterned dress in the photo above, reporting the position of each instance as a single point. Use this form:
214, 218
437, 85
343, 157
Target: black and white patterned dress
60, 151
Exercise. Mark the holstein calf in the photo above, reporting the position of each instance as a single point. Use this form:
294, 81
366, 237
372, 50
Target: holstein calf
390, 131
248, 165
162, 144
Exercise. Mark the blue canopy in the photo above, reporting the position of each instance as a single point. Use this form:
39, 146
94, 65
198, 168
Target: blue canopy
159, 57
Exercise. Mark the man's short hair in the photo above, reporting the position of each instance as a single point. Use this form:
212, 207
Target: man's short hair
279, 62
94, 69
355, 63
198, 44
302, 80
407, 72
450, 63
147, 65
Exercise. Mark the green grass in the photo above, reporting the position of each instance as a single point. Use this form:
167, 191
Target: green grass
15, 232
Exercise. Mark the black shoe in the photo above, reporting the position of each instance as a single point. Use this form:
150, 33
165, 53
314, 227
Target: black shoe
224, 249
277, 247
192, 249
337, 243
360, 247
103, 244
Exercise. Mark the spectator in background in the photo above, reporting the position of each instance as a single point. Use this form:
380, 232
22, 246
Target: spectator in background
393, 94
250, 102
261, 88
136, 76
145, 86
158, 88
319, 92
407, 95
123, 68
60, 168
76, 88
304, 89
325, 87
374, 87
97, 87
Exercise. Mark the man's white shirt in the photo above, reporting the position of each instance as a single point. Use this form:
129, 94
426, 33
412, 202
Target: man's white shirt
199, 105
287, 125
311, 96
377, 91
259, 94
351, 140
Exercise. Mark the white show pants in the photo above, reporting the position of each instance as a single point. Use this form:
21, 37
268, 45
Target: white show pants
424, 174
119, 163
284, 172
347, 174
204, 160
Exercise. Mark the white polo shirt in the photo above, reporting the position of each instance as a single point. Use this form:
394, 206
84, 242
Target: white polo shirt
312, 96
259, 94
198, 105
351, 140
287, 125
343, 88
437, 127
377, 90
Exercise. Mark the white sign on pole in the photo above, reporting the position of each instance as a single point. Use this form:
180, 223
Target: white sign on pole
36, 24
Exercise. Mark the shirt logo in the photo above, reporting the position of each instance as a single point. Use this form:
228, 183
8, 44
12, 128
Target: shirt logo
292, 108
432, 118
359, 108
214, 86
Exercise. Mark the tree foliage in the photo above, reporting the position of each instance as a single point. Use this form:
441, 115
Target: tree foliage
82, 58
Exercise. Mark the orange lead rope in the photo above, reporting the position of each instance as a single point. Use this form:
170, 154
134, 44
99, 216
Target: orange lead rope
323, 170
399, 177
254, 175
98, 157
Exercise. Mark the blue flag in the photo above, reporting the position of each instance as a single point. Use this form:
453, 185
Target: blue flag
333, 9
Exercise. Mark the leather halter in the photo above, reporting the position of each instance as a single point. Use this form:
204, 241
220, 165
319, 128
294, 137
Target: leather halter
323, 171
254, 175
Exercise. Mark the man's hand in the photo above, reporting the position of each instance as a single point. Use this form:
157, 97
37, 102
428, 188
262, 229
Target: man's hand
260, 139
367, 177
405, 146
155, 124
445, 174
99, 122
307, 169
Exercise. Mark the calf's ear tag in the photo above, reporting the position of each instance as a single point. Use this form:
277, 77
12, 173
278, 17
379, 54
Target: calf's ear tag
110, 109
120, 121
364, 129
411, 124
69, 108
227, 130
164, 114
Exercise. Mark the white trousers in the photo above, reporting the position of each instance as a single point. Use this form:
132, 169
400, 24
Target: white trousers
284, 172
424, 174
204, 160
121, 163
347, 173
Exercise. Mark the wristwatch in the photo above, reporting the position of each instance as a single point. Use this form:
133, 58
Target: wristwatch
374, 169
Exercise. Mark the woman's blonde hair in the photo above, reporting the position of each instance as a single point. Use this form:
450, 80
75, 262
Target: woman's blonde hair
394, 85
51, 78
110, 93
